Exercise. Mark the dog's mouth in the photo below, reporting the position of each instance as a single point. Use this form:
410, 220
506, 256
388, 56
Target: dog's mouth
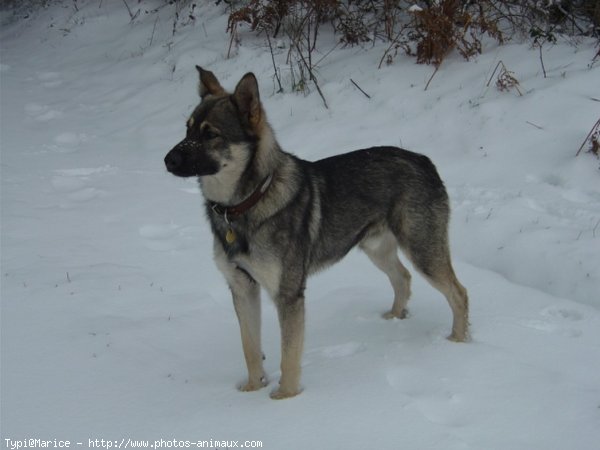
190, 163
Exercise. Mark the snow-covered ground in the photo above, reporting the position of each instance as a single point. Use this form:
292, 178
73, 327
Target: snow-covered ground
116, 324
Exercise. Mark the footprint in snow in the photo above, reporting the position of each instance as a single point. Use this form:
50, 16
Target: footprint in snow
86, 172
562, 314
161, 237
338, 351
331, 352
557, 320
77, 184
86, 194
67, 184
49, 79
42, 113
69, 138
67, 142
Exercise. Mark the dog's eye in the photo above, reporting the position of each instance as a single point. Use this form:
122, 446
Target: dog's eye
209, 134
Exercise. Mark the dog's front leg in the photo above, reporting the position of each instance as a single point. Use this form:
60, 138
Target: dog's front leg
291, 320
246, 300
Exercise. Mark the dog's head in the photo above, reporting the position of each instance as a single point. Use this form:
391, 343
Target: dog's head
219, 127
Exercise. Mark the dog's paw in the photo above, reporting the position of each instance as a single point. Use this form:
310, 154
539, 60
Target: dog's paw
280, 394
394, 315
250, 386
459, 337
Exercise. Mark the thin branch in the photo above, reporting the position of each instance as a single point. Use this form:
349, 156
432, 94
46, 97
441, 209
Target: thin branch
132, 16
359, 88
596, 125
494, 72
153, 30
326, 54
128, 10
311, 74
233, 33
437, 67
542, 61
392, 44
534, 125
175, 20
274, 65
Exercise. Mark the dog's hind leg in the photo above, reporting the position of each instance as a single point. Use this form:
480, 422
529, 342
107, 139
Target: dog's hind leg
382, 250
420, 225
456, 294
431, 256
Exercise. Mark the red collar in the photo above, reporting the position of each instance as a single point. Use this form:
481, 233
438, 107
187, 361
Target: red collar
235, 211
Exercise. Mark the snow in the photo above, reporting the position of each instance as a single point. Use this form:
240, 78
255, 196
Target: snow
116, 323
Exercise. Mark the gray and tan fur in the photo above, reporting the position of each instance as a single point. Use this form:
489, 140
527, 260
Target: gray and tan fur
309, 216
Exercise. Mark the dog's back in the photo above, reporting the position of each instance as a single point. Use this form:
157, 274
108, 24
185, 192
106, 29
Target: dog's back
365, 192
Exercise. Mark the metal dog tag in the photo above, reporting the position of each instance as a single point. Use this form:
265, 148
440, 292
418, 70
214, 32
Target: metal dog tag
230, 236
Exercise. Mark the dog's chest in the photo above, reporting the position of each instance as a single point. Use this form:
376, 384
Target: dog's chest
255, 258
233, 239
265, 269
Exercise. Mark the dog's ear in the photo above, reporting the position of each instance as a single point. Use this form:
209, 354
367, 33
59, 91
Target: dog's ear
208, 85
247, 98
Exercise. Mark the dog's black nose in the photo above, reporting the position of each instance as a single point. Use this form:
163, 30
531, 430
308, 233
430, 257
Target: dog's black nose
173, 160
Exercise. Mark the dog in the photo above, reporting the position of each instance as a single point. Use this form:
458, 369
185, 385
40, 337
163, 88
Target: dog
276, 219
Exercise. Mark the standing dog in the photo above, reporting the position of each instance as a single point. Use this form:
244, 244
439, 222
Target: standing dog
276, 218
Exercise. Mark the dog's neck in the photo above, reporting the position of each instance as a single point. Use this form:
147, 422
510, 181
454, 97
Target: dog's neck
233, 184
232, 212
223, 186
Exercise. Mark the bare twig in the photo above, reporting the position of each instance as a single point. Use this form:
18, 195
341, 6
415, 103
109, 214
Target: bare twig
132, 16
539, 39
233, 35
534, 125
311, 74
128, 10
542, 61
175, 20
494, 72
594, 129
359, 88
393, 43
505, 79
326, 54
274, 65
153, 30
437, 67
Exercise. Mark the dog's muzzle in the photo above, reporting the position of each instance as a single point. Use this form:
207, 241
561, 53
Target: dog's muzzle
189, 159
173, 160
